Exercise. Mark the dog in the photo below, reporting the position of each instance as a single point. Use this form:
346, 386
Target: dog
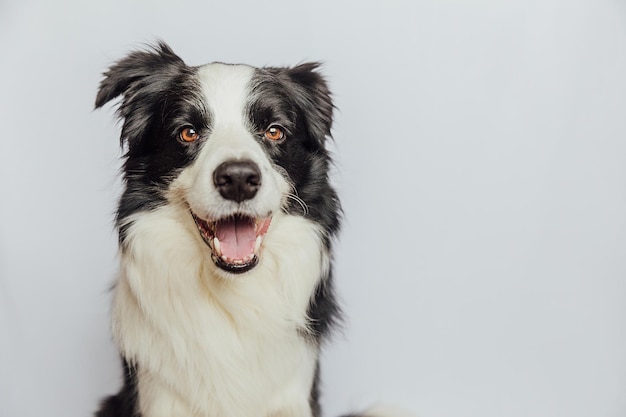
226, 224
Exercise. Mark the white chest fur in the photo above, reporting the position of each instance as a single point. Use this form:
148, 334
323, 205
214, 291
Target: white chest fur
211, 345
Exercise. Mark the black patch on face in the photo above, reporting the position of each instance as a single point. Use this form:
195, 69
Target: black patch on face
160, 96
299, 100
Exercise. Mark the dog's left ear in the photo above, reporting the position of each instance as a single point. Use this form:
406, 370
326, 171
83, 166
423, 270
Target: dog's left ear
310, 91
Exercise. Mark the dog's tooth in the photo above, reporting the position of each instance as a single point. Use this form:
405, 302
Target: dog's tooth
217, 246
257, 243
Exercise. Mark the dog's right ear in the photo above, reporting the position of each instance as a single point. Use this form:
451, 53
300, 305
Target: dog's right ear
139, 78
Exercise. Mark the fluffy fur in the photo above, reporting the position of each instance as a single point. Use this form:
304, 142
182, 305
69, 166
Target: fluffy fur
201, 334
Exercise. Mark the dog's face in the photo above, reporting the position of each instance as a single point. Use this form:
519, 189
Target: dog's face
231, 144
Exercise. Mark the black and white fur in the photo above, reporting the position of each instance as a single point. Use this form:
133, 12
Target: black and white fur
200, 336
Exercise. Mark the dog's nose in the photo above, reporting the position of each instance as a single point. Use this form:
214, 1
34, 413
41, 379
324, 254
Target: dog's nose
237, 180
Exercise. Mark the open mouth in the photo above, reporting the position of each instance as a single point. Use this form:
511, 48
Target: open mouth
235, 241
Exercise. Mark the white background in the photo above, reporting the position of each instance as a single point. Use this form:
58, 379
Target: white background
481, 158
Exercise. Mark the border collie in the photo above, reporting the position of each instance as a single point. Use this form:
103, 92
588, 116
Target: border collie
226, 222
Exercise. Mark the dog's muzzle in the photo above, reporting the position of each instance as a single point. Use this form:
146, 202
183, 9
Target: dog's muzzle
235, 240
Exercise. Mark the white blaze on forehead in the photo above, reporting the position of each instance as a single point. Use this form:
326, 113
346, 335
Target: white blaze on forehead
227, 89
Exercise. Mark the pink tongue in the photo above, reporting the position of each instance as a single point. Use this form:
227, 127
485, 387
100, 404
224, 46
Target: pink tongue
237, 237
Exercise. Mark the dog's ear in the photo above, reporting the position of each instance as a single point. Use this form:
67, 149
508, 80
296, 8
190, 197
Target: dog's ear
139, 78
310, 91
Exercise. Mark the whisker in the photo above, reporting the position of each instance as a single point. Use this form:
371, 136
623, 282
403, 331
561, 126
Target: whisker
293, 194
300, 201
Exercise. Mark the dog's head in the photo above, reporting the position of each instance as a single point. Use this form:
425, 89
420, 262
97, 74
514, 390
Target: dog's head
232, 144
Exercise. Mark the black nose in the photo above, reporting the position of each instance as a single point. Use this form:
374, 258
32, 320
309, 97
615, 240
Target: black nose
237, 180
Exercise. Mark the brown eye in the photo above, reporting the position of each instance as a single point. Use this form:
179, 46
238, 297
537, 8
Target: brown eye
274, 133
188, 134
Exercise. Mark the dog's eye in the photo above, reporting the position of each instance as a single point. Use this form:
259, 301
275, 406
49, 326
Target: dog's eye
274, 133
188, 134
